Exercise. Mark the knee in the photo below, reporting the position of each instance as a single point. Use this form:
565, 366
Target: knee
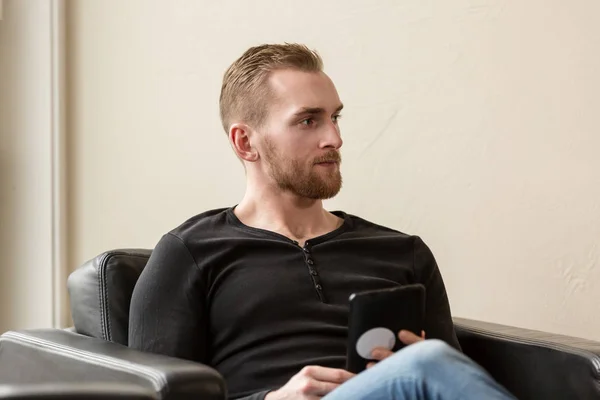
429, 354
433, 350
429, 360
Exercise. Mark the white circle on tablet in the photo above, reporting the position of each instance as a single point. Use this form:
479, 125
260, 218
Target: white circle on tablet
376, 337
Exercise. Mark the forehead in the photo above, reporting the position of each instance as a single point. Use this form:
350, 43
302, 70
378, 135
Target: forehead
293, 89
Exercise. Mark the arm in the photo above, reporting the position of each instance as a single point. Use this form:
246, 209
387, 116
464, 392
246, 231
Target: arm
167, 313
438, 318
256, 396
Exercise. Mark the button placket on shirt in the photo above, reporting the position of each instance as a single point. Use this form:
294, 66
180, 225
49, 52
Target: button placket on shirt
314, 274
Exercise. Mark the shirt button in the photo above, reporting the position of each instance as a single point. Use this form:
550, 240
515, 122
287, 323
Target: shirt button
310, 261
319, 287
313, 272
306, 250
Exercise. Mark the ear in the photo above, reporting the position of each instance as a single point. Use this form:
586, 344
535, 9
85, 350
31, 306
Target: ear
241, 137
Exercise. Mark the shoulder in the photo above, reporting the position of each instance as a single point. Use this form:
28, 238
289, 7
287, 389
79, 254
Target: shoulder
424, 262
195, 233
185, 245
363, 227
208, 224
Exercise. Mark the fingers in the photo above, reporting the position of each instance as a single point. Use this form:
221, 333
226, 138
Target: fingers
408, 338
324, 374
380, 353
318, 388
321, 381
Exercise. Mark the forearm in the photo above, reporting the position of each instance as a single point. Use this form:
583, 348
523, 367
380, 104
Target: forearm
263, 395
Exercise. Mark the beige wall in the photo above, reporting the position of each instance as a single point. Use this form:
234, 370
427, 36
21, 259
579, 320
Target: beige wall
472, 123
26, 277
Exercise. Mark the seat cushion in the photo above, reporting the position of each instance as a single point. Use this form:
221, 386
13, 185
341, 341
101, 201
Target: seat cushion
100, 293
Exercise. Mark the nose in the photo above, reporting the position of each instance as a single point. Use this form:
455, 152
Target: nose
332, 137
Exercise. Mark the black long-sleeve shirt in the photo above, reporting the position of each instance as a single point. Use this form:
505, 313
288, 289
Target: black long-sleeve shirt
257, 307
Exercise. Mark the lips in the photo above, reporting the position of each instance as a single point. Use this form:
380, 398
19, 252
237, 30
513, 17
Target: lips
328, 158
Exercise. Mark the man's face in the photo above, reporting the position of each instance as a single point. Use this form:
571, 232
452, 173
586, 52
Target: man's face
300, 139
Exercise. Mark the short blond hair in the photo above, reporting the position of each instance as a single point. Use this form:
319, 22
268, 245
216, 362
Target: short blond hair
245, 93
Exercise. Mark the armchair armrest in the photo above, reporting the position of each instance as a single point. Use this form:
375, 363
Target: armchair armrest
57, 357
76, 391
533, 364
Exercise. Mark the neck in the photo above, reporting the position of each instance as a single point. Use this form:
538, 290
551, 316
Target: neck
285, 213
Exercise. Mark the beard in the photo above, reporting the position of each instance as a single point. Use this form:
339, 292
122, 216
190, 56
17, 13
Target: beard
303, 180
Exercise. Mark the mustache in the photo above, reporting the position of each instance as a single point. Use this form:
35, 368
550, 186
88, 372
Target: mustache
332, 156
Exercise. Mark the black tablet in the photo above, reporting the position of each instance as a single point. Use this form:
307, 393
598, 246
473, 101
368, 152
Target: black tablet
377, 316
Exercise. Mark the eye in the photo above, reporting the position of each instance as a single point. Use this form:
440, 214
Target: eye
336, 118
307, 122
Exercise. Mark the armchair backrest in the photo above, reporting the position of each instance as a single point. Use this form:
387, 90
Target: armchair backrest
100, 293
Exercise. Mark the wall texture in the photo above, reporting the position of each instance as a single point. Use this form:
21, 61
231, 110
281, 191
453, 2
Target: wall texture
473, 123
26, 278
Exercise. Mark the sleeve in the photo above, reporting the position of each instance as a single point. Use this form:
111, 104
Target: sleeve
438, 317
255, 396
167, 312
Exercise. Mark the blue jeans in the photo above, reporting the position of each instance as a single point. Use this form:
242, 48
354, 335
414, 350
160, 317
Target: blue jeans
428, 370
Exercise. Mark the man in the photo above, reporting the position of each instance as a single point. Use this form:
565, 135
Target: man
260, 291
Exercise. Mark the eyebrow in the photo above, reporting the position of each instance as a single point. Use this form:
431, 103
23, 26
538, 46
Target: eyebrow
315, 110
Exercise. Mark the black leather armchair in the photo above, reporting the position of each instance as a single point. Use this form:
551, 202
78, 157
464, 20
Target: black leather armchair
92, 360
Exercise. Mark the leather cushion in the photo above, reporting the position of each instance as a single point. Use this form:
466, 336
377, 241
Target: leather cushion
100, 293
47, 360
75, 391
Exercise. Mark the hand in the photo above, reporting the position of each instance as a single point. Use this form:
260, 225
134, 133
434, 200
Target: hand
311, 383
406, 337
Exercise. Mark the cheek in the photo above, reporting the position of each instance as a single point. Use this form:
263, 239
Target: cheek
295, 150
301, 158
293, 144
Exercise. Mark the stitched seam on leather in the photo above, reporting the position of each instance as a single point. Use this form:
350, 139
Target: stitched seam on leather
105, 293
100, 298
124, 253
157, 378
105, 261
593, 358
73, 389
105, 325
